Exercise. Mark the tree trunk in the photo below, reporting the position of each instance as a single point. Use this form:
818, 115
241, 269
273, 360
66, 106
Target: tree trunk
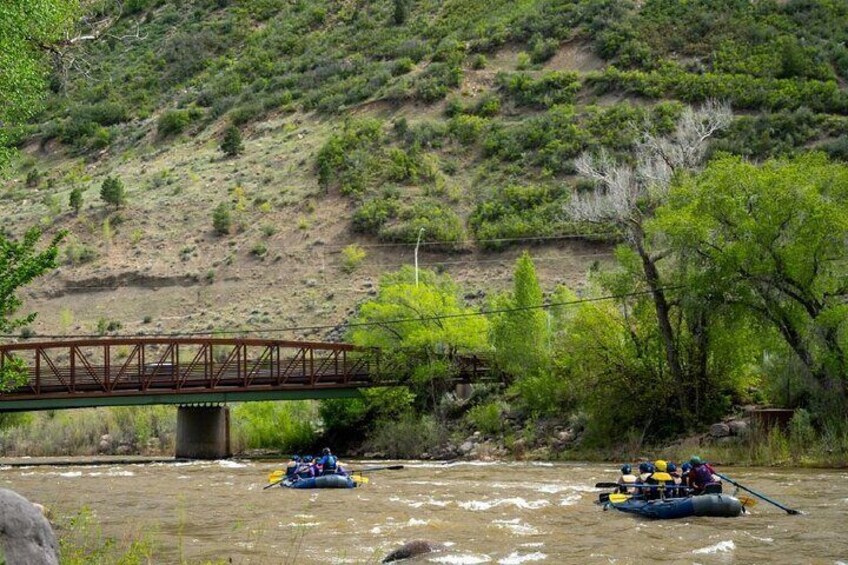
652, 278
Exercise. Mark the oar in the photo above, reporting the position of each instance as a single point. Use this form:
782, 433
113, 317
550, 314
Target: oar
275, 483
607, 485
758, 495
371, 469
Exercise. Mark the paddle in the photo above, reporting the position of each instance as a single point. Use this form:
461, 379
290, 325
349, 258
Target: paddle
606, 485
758, 495
372, 469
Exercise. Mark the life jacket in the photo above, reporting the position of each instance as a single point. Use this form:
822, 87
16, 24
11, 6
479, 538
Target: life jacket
305, 471
627, 483
700, 476
291, 468
328, 464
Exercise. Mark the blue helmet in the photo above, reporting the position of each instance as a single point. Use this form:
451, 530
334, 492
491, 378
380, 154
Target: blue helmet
685, 467
295, 457
626, 469
644, 467
671, 467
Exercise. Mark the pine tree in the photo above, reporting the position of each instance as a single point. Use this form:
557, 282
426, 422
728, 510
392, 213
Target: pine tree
75, 200
221, 219
112, 191
232, 145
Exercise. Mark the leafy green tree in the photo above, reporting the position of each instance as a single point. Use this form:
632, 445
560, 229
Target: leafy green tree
27, 29
630, 197
75, 200
20, 263
222, 220
521, 336
112, 191
773, 238
232, 145
419, 328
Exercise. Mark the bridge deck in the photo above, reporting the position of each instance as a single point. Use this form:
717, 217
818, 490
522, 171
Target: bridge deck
110, 372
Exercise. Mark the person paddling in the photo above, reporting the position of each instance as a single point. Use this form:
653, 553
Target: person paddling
328, 464
702, 477
292, 467
627, 480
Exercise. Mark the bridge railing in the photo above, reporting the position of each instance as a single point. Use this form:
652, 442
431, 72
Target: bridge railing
111, 366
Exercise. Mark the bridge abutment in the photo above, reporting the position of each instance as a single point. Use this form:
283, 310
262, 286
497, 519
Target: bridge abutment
203, 432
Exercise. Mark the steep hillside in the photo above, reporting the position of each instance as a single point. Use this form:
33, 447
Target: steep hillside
364, 122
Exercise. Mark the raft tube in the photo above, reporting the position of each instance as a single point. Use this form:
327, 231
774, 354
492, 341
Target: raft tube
712, 505
324, 481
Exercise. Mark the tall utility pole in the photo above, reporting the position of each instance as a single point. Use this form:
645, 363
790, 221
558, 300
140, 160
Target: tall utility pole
417, 243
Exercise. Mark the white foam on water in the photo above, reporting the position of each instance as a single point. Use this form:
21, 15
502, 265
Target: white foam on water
226, 463
183, 477
461, 559
517, 502
70, 474
299, 524
542, 464
120, 474
570, 500
516, 558
428, 483
376, 530
27, 474
516, 527
720, 547
533, 544
415, 522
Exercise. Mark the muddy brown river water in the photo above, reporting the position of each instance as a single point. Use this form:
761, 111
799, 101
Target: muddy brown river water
506, 513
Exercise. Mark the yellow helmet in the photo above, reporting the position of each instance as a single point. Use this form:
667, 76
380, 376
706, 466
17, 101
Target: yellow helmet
660, 465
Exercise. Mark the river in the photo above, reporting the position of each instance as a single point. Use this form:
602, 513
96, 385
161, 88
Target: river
506, 513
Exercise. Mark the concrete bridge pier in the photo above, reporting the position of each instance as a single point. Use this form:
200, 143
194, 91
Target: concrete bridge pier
203, 432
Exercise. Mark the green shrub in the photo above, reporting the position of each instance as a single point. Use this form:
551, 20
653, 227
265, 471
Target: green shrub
375, 213
112, 191
542, 49
440, 223
285, 426
346, 159
487, 418
75, 200
173, 122
231, 144
517, 212
352, 257
555, 87
467, 129
407, 437
222, 219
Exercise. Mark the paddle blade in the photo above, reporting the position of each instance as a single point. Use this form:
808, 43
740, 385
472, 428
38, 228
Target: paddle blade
360, 480
619, 497
747, 501
275, 476
606, 485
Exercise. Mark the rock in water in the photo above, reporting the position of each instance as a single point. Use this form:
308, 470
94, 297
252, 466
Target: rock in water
411, 549
25, 533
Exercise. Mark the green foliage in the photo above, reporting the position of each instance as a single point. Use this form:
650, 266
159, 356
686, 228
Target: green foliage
437, 326
516, 212
344, 159
82, 542
112, 191
222, 220
551, 88
286, 426
75, 199
407, 437
231, 144
352, 419
487, 418
466, 129
352, 257
25, 27
773, 236
21, 262
173, 122
520, 335
440, 223
401, 11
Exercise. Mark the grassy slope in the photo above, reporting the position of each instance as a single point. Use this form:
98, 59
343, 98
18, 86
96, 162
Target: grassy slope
291, 73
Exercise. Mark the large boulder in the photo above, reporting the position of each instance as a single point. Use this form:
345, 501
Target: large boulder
739, 427
25, 534
412, 549
719, 430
